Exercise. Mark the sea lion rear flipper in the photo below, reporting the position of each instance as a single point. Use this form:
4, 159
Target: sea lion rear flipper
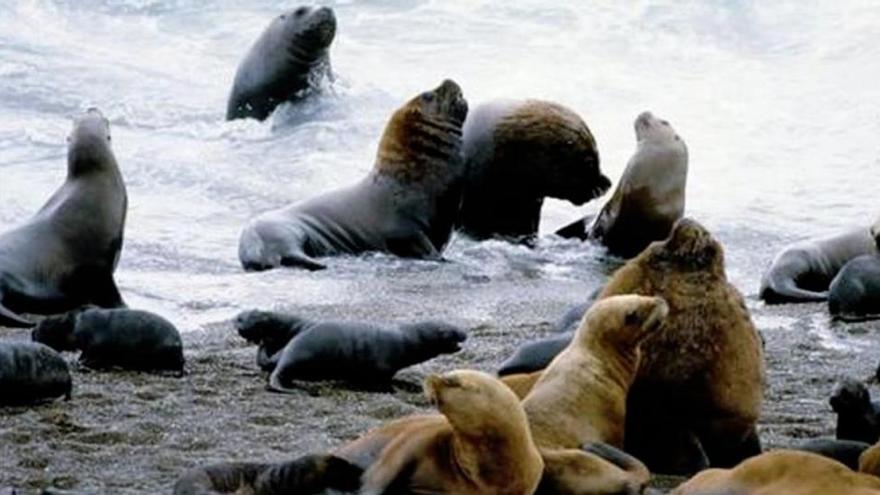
275, 385
788, 291
619, 458
9, 319
300, 260
574, 230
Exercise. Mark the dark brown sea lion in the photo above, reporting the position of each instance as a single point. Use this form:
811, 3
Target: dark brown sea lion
650, 196
516, 154
287, 61
65, 255
699, 388
406, 206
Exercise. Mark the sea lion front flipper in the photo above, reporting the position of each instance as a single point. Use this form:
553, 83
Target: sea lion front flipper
9, 319
106, 294
300, 260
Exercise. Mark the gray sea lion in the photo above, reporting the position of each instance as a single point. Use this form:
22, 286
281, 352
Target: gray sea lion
846, 452
287, 61
650, 196
406, 206
854, 294
535, 355
858, 417
32, 372
65, 255
115, 338
360, 353
271, 331
803, 271
307, 475
516, 154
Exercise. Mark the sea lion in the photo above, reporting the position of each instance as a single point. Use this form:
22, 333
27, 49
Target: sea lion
32, 372
307, 475
406, 206
65, 255
115, 338
271, 331
782, 471
481, 445
854, 294
846, 452
650, 196
359, 352
869, 460
581, 396
858, 417
699, 387
803, 271
535, 355
288, 61
517, 153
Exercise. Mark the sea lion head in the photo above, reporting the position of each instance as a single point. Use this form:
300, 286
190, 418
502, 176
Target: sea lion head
89, 143
475, 402
850, 397
256, 326
309, 29
423, 137
436, 337
57, 332
546, 133
651, 129
690, 247
622, 321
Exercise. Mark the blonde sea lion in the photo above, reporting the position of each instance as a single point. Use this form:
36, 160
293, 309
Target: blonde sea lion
406, 206
481, 445
581, 396
650, 196
782, 471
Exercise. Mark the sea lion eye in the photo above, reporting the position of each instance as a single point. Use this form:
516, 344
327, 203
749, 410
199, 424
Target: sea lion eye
428, 97
301, 11
631, 318
664, 123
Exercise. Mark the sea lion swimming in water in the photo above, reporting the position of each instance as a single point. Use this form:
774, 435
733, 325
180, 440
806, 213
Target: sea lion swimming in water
287, 61
65, 255
406, 206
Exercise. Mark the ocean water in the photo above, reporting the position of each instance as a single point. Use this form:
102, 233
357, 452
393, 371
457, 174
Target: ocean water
777, 101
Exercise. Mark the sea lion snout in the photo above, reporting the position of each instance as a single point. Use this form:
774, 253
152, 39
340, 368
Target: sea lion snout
316, 26
453, 99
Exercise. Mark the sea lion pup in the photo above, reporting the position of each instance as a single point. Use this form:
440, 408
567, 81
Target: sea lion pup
858, 417
803, 271
65, 255
406, 206
32, 372
581, 396
517, 153
782, 471
846, 452
482, 447
271, 331
359, 352
288, 61
649, 197
307, 475
115, 338
854, 294
699, 387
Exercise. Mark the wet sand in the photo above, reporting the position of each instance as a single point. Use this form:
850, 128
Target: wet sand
136, 433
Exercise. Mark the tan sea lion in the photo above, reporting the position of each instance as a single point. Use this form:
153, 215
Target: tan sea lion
699, 387
406, 206
517, 153
64, 256
650, 196
581, 396
782, 472
869, 460
482, 445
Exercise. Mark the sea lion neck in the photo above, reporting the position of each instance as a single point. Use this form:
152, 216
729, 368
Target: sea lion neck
88, 155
